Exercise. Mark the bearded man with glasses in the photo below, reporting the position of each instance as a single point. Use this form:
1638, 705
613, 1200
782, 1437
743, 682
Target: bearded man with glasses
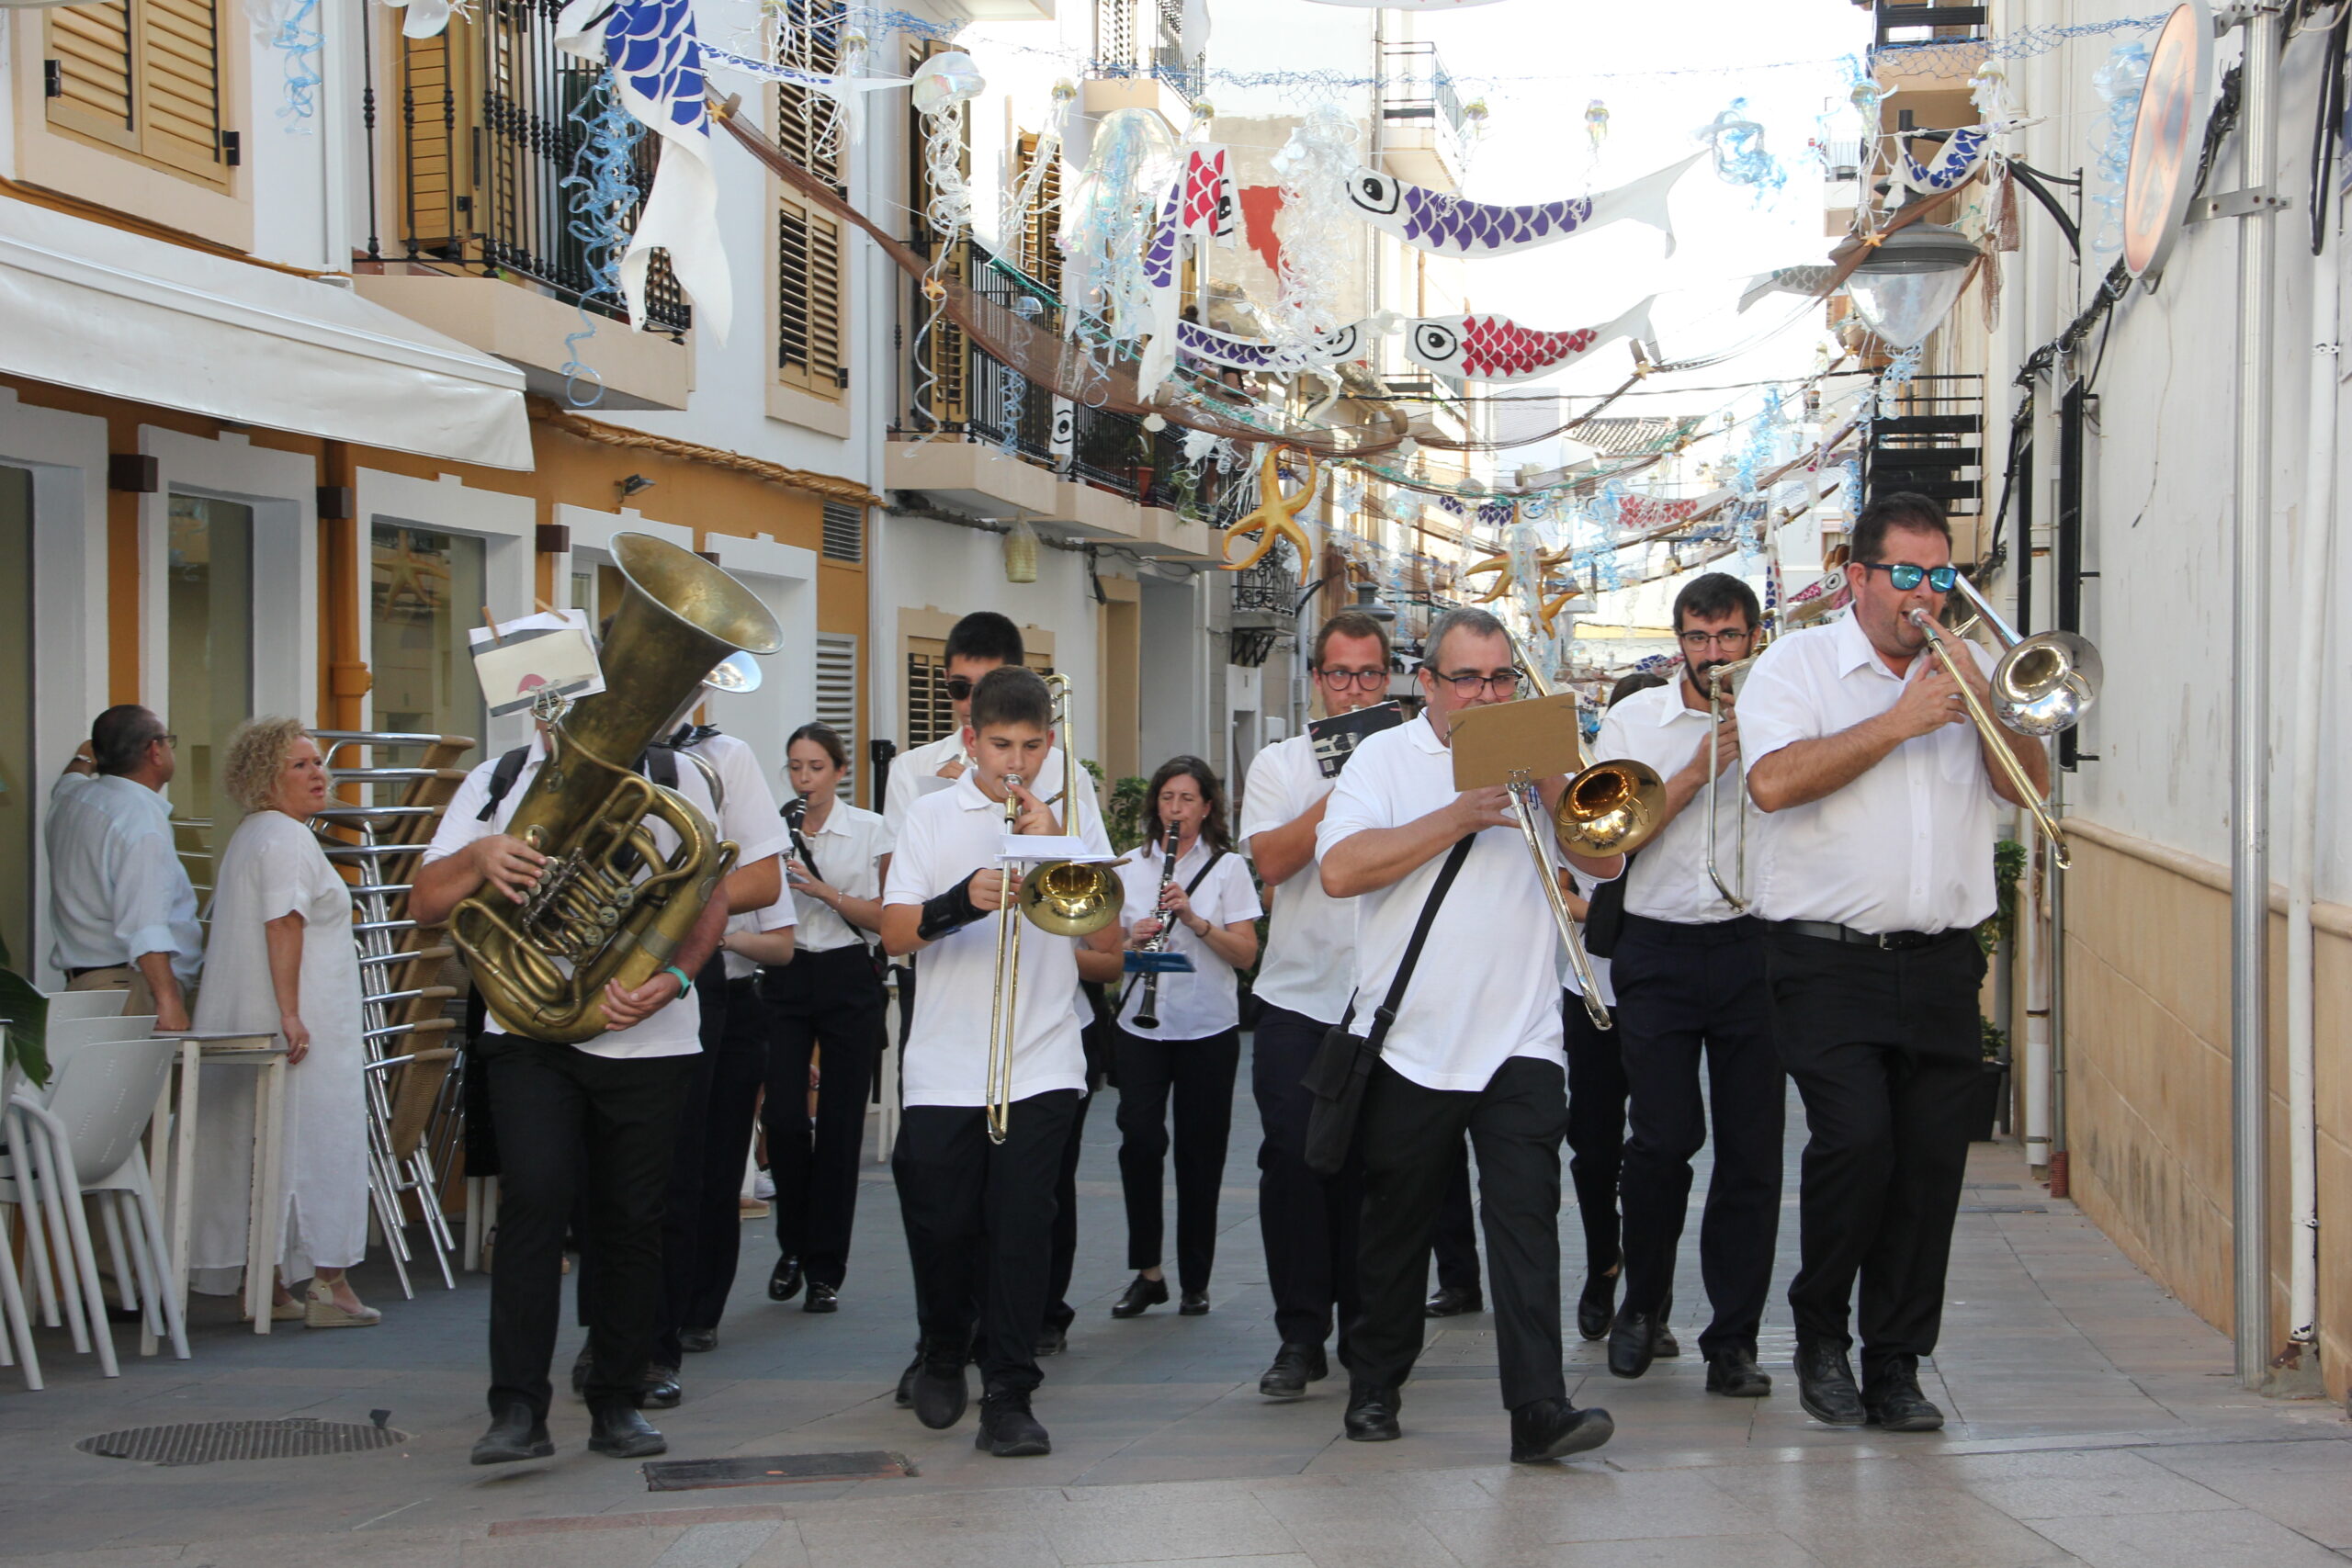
1879, 828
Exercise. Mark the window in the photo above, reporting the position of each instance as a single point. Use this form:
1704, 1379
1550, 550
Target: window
930, 714
210, 605
808, 129
20, 797
837, 691
844, 532
941, 383
422, 595
142, 76
809, 299
1038, 252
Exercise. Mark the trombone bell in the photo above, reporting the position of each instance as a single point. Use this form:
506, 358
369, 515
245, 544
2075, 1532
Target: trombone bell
1071, 898
2046, 682
1610, 809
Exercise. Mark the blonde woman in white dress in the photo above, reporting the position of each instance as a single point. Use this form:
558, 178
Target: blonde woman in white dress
280, 961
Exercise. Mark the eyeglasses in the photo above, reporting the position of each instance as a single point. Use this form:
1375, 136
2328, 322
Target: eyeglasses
1717, 640
1905, 577
1505, 680
1346, 678
171, 740
959, 687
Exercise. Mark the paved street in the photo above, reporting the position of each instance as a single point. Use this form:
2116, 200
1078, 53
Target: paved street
2093, 1421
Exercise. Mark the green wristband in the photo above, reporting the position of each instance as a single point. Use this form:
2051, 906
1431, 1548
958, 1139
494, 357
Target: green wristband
686, 982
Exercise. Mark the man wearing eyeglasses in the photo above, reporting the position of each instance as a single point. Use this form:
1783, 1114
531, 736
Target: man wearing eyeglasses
1475, 1045
1689, 972
121, 910
1879, 827
1309, 1221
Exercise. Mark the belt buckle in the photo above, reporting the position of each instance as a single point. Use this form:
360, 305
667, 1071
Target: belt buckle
1884, 945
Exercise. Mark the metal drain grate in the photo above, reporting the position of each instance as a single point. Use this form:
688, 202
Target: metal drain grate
693, 1474
207, 1442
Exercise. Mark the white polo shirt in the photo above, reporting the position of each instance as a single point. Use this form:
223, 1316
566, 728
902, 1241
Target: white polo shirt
1905, 847
1668, 880
1208, 1000
776, 916
675, 1030
916, 774
848, 849
1483, 991
1309, 961
116, 885
947, 835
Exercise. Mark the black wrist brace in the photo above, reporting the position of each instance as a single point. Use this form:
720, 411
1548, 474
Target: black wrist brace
949, 911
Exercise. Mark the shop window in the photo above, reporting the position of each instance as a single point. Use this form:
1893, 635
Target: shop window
425, 592
23, 782
210, 605
142, 76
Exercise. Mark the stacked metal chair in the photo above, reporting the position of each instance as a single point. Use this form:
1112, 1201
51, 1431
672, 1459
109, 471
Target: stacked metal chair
382, 815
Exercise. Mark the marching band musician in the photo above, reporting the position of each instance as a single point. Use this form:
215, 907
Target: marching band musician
1475, 1043
1309, 1221
1688, 967
1196, 901
1880, 829
979, 1215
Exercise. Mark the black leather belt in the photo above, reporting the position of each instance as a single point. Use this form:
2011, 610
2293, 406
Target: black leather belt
1889, 942
71, 975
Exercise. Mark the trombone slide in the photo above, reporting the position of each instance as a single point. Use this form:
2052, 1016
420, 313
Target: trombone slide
1994, 738
1530, 801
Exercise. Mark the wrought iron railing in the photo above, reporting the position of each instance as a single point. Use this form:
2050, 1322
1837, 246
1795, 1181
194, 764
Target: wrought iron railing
1415, 86
484, 123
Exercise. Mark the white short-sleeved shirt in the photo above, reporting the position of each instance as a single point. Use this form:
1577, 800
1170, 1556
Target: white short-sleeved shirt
116, 885
1905, 847
776, 916
1208, 1000
849, 849
1668, 880
1480, 994
675, 1030
916, 774
948, 835
1309, 962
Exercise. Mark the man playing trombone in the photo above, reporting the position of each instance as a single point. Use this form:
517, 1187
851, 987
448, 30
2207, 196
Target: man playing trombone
1689, 972
1880, 824
1475, 1043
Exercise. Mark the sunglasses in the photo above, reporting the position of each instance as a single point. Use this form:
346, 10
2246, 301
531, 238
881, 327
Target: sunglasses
1907, 577
959, 687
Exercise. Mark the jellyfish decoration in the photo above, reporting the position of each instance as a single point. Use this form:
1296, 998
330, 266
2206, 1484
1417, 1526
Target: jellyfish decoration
1596, 124
1023, 198
942, 87
1737, 145
1113, 228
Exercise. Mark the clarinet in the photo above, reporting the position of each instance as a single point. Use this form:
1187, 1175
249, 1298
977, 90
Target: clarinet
1147, 1011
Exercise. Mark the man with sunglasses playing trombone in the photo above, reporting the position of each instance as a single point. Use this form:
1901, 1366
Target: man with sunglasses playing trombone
1879, 826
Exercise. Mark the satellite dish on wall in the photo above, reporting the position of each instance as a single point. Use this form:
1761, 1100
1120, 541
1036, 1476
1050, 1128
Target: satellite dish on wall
2166, 138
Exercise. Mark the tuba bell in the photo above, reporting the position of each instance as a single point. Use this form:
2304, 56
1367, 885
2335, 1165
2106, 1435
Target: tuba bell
608, 907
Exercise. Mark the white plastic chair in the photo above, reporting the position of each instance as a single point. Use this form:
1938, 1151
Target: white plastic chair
86, 1143
65, 1038
65, 1007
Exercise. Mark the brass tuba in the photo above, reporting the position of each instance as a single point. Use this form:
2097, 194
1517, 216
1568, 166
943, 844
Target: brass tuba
609, 906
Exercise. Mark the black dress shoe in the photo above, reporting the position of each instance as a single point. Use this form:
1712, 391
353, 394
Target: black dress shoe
1140, 1293
517, 1432
906, 1395
1895, 1402
1633, 1342
1448, 1302
1193, 1303
1053, 1339
821, 1298
615, 1427
940, 1392
783, 1280
1008, 1431
1826, 1385
1552, 1429
696, 1341
1663, 1344
1371, 1414
657, 1389
1735, 1374
581, 1365
1295, 1365
1596, 1305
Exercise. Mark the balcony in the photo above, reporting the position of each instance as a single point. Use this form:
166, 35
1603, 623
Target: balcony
1421, 136
1142, 61
477, 131
1951, 29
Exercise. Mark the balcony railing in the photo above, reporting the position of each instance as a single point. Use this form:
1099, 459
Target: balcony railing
1921, 21
483, 120
1145, 37
1416, 91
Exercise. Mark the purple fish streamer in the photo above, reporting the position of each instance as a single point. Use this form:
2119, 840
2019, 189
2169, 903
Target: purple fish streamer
1449, 225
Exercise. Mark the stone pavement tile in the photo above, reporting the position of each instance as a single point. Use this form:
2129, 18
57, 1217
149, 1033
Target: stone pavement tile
1746, 1550
584, 1548
1283, 1559
932, 1544
1156, 1529
719, 1544
1121, 1470
2232, 1537
1369, 1541
2305, 1486
1868, 1515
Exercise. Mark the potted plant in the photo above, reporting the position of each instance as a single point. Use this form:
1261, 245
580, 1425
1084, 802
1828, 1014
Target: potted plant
2008, 869
1992, 1083
24, 1020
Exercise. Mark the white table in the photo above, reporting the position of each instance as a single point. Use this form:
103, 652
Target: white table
174, 1133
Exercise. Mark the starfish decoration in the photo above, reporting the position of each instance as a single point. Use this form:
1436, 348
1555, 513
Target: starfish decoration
1276, 517
1507, 577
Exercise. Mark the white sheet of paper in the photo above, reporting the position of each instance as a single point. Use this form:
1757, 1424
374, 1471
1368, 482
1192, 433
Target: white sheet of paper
519, 657
1042, 847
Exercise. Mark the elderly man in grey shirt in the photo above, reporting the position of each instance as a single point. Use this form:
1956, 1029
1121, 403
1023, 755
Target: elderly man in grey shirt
121, 911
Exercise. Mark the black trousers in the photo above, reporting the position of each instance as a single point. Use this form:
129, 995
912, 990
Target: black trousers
1685, 992
1409, 1135
1454, 1246
601, 1130
739, 1065
979, 1220
829, 1002
1309, 1221
1198, 1074
1887, 1119
1060, 1314
1596, 1128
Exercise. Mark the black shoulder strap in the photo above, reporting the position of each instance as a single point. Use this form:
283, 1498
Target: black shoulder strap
1387, 1014
1203, 874
502, 780
660, 763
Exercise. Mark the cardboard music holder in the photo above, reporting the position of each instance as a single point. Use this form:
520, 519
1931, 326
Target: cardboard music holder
1523, 741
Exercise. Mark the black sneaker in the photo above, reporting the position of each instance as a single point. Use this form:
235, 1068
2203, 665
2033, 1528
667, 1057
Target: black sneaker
1545, 1430
1295, 1366
940, 1391
1008, 1431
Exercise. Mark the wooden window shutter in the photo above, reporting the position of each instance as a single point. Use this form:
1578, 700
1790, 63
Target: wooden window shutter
92, 45
809, 299
439, 172
1037, 251
179, 87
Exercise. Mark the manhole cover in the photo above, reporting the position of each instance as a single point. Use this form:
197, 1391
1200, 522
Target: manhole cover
207, 1442
691, 1474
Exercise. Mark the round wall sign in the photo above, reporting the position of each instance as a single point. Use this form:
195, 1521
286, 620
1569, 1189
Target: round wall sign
2166, 138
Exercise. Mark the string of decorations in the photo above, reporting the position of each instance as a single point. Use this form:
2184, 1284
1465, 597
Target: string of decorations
599, 193
1958, 57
